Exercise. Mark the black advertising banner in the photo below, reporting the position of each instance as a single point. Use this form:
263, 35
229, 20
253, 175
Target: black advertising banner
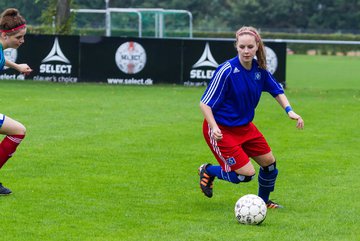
52, 58
136, 61
144, 61
201, 57
130, 60
276, 60
7, 73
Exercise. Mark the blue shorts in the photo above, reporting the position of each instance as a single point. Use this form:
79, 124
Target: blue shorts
2, 118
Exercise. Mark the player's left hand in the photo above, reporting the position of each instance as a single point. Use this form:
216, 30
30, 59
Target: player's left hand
300, 121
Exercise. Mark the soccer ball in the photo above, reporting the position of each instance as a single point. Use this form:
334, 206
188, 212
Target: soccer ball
250, 209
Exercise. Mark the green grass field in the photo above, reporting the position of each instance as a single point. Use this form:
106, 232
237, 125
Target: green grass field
103, 162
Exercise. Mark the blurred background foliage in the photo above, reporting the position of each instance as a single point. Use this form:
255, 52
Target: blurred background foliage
314, 16
276, 19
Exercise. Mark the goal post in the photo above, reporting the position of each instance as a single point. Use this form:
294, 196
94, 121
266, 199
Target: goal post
159, 15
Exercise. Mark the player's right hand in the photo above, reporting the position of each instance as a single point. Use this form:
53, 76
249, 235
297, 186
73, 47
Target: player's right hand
217, 135
24, 69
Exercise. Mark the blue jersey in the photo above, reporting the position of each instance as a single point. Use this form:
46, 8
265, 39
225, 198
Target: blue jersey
234, 92
2, 58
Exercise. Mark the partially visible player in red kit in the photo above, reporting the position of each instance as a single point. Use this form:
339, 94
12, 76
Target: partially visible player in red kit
12, 32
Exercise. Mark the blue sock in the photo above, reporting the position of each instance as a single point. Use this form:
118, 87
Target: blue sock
226, 176
214, 170
267, 177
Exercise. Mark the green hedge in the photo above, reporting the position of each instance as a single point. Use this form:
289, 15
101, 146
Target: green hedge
299, 48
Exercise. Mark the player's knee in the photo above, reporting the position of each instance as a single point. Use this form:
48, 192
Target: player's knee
13, 127
265, 160
21, 129
247, 170
245, 175
246, 178
237, 178
270, 168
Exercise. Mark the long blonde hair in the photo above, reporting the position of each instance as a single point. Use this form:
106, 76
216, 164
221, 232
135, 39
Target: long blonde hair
260, 53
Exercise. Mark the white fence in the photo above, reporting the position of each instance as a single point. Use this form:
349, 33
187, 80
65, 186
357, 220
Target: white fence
159, 17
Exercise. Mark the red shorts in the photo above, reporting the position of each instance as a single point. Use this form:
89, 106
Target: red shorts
237, 145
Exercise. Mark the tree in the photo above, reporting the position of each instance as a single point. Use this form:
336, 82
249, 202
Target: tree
58, 12
63, 17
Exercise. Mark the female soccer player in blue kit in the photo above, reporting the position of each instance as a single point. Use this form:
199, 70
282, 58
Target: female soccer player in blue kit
228, 106
12, 32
